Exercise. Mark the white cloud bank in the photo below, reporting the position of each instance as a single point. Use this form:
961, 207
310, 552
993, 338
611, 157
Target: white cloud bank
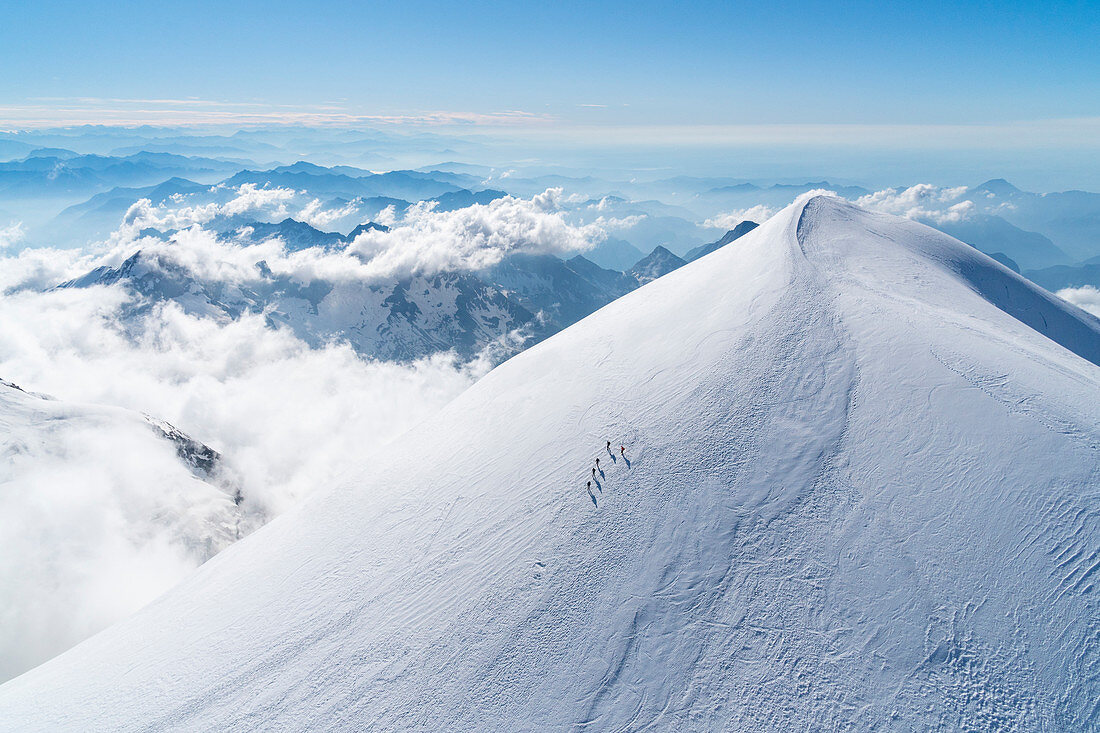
426, 241
98, 517
11, 234
420, 240
178, 212
1086, 297
759, 214
922, 201
91, 528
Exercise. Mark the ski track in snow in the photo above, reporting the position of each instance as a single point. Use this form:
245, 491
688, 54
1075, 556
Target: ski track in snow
860, 495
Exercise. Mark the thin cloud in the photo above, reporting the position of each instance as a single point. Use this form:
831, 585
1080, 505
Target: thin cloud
50, 112
1083, 133
11, 234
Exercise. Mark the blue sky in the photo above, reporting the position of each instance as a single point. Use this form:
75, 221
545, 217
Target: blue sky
635, 63
930, 89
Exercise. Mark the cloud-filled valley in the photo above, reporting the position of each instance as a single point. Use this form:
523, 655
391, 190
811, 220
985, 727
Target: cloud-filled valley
286, 417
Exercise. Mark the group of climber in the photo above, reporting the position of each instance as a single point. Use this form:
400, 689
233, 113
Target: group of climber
622, 452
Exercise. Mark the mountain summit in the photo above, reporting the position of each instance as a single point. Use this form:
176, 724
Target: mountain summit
736, 233
859, 489
657, 263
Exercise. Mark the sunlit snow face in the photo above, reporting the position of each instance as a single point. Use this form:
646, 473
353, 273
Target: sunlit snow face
289, 417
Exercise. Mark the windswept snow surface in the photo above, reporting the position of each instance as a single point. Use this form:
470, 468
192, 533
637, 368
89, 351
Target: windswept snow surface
863, 491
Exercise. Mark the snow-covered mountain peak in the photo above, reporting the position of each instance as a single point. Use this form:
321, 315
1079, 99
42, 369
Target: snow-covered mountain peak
856, 489
839, 235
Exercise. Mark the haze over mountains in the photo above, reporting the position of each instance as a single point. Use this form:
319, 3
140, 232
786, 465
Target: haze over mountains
97, 184
819, 421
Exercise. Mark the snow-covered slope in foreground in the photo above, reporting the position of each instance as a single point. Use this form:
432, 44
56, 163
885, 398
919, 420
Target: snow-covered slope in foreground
861, 492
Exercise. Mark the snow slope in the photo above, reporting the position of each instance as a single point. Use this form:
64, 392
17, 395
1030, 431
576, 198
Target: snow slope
862, 490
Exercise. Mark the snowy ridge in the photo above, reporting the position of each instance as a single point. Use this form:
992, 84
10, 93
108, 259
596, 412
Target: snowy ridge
860, 489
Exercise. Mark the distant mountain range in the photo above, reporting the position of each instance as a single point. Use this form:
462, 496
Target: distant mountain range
408, 185
1063, 276
497, 310
46, 173
993, 234
98, 216
1037, 231
1070, 219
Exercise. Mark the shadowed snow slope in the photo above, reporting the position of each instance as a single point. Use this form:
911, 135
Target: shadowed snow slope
862, 491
